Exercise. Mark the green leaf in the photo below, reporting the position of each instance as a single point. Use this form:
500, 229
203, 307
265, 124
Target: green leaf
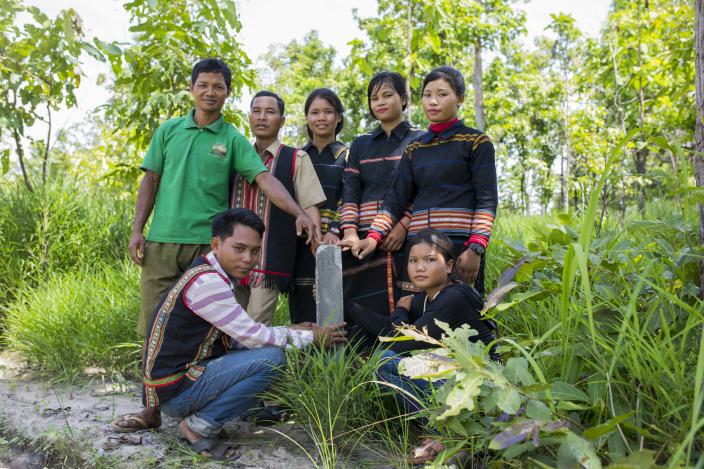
93, 51
602, 429
575, 451
644, 459
568, 392
109, 48
516, 371
462, 395
5, 160
427, 365
536, 410
509, 400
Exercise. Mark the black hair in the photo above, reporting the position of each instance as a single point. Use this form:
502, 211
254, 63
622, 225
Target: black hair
391, 79
437, 239
271, 94
441, 243
224, 222
212, 66
332, 98
451, 75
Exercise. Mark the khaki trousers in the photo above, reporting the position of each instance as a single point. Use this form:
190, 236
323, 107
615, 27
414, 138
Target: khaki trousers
262, 304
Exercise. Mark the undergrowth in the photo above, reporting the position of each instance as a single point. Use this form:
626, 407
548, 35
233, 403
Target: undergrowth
76, 319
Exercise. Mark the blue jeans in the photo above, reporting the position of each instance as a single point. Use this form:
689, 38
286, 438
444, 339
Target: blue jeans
409, 393
228, 387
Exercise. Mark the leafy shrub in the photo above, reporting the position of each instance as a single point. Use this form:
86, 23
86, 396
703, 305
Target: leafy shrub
79, 319
55, 229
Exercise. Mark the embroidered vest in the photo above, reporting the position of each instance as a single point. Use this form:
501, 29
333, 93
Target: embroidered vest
178, 342
275, 269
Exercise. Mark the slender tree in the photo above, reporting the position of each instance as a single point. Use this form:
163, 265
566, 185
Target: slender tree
699, 129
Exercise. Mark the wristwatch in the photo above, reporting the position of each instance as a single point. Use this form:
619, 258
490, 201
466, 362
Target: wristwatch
478, 248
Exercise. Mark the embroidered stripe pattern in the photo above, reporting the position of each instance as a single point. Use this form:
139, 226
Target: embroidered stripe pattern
327, 217
379, 159
482, 226
156, 335
349, 214
383, 223
476, 139
449, 221
249, 196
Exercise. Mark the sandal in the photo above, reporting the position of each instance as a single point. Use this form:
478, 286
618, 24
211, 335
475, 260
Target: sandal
136, 418
426, 451
216, 449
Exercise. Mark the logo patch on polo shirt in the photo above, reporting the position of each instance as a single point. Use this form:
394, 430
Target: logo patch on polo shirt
219, 150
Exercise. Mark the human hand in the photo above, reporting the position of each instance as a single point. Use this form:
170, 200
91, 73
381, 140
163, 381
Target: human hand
405, 302
305, 325
364, 247
136, 248
331, 238
395, 239
349, 239
328, 335
304, 223
468, 265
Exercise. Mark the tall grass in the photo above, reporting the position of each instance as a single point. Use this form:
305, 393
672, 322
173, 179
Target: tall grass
77, 319
618, 316
335, 396
57, 228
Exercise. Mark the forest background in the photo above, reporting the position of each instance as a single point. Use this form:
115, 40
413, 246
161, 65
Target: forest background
596, 141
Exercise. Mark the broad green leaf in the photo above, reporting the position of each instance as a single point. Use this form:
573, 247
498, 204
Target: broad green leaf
575, 451
568, 392
538, 411
516, 371
509, 400
644, 459
461, 397
599, 430
109, 48
427, 365
93, 51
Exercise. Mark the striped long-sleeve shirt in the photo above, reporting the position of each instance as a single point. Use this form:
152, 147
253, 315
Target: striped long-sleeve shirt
211, 297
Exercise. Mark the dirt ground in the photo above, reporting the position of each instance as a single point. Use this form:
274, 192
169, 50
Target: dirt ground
38, 417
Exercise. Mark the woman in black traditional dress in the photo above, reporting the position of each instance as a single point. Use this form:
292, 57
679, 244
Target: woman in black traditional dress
372, 161
448, 174
324, 113
441, 297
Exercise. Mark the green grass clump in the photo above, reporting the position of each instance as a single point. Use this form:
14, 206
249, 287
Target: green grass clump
57, 228
335, 396
78, 319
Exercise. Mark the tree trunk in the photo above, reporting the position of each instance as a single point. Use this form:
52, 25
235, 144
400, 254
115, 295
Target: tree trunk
699, 128
409, 36
45, 157
478, 87
641, 155
20, 157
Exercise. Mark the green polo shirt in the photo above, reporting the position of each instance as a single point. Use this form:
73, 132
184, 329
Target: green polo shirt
196, 165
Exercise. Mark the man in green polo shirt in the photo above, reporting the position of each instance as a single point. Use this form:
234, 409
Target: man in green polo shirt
188, 167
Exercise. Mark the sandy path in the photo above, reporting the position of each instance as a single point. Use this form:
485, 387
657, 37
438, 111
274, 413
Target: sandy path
79, 416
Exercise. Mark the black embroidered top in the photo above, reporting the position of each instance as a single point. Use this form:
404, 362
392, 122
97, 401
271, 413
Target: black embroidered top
450, 178
329, 165
371, 164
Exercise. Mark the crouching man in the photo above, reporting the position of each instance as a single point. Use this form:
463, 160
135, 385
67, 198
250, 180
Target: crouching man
205, 360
